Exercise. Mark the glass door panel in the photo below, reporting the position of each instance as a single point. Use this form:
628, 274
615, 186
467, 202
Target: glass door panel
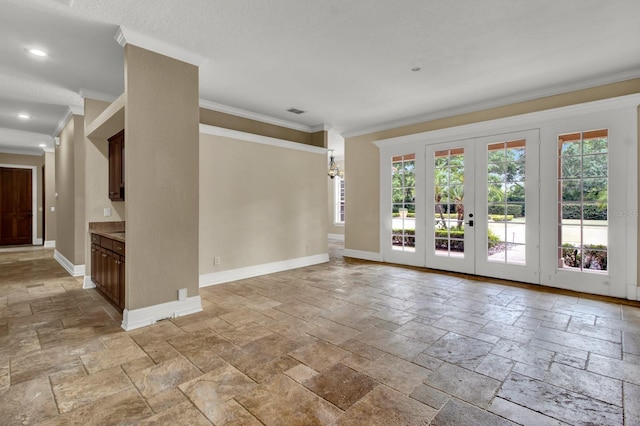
449, 202
450, 243
506, 219
507, 176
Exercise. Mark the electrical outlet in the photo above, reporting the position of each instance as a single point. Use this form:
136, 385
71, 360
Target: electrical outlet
217, 260
182, 294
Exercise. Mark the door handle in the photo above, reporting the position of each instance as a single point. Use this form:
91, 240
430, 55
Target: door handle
470, 223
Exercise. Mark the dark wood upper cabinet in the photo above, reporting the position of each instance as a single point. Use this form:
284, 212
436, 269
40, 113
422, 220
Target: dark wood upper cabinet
116, 167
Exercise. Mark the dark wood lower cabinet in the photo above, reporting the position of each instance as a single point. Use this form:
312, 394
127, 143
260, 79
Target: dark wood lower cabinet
107, 268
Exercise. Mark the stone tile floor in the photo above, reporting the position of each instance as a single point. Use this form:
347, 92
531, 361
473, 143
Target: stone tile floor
345, 343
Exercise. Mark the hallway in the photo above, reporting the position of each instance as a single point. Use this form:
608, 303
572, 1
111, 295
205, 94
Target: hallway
348, 342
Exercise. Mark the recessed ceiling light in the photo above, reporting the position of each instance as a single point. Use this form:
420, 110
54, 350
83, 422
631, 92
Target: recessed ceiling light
38, 52
24, 116
43, 145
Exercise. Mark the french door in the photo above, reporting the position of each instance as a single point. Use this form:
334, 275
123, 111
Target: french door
482, 206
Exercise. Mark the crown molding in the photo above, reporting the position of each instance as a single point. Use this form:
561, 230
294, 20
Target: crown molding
124, 36
77, 109
98, 96
500, 102
320, 128
63, 122
264, 140
214, 106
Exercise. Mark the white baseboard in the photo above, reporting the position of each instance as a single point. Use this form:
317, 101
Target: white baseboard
263, 269
151, 314
337, 237
38, 242
50, 244
365, 255
88, 283
73, 270
632, 292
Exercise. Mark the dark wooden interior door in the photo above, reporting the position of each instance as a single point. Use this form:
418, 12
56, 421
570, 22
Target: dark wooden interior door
15, 206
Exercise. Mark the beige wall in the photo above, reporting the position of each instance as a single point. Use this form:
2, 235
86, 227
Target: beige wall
69, 178
259, 204
241, 124
65, 212
363, 186
80, 228
29, 160
97, 179
50, 196
161, 169
319, 139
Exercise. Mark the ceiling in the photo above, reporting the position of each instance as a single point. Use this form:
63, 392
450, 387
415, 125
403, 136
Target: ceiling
348, 64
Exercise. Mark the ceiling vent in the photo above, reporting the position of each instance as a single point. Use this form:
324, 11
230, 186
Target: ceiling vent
296, 111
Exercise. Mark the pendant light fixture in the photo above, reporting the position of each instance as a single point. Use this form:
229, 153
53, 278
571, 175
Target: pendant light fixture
334, 170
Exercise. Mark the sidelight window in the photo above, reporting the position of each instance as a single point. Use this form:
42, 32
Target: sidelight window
583, 201
403, 202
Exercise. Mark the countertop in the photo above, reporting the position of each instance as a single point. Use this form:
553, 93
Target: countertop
113, 230
118, 236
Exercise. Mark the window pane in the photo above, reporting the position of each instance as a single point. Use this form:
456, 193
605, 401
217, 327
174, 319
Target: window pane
515, 171
397, 195
583, 200
594, 146
594, 190
571, 147
571, 167
594, 166
515, 192
409, 195
594, 259
571, 190
571, 212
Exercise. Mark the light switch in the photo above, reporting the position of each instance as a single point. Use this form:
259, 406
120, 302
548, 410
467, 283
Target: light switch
107, 212
53, 209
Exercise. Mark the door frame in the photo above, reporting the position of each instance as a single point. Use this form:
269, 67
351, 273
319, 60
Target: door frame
475, 202
34, 197
530, 272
